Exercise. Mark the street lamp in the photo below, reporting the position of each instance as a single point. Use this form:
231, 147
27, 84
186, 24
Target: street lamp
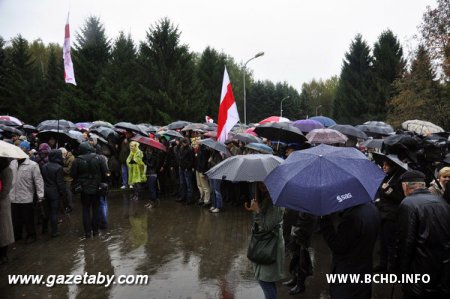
281, 105
317, 109
245, 99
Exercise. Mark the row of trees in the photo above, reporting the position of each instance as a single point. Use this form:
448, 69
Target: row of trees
161, 80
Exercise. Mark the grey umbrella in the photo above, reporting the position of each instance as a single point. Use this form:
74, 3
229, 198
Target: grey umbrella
247, 138
179, 124
215, 146
245, 168
349, 130
171, 133
374, 131
130, 127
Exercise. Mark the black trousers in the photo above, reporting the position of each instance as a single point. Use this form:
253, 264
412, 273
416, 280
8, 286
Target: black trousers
23, 215
91, 204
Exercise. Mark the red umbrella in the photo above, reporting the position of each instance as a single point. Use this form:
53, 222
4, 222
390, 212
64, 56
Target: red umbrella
251, 131
275, 119
150, 142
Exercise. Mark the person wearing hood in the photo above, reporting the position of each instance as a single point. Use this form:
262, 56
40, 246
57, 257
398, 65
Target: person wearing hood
136, 168
89, 170
54, 189
42, 154
68, 159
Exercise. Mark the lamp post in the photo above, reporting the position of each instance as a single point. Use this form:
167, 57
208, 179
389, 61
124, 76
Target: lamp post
245, 99
317, 109
281, 105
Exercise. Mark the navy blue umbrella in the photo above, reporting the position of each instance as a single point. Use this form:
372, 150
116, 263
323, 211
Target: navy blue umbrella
326, 121
324, 179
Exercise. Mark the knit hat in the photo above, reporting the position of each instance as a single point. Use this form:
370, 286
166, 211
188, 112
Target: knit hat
413, 176
25, 144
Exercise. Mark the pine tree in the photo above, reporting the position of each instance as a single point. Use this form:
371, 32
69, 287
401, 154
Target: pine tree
355, 93
388, 65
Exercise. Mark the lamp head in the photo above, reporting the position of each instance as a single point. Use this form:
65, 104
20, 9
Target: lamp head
259, 54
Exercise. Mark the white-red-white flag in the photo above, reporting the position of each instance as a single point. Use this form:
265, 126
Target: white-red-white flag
69, 74
228, 113
208, 119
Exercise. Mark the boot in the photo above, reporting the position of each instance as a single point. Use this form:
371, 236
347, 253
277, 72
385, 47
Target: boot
290, 283
299, 288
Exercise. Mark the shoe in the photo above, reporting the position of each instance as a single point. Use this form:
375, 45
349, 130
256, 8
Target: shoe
123, 187
131, 186
211, 208
290, 283
149, 206
216, 210
379, 268
297, 290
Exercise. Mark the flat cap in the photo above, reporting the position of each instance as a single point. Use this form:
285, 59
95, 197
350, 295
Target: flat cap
413, 176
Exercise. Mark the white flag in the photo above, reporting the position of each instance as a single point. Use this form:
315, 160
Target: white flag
228, 113
69, 74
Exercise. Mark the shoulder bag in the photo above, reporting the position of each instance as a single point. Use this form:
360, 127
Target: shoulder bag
263, 246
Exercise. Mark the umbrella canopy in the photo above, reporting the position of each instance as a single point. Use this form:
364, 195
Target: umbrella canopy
171, 133
179, 124
101, 123
350, 131
245, 168
324, 179
54, 124
11, 130
275, 119
247, 138
251, 131
215, 145
16, 121
11, 151
196, 127
284, 132
377, 123
375, 131
8, 123
29, 129
326, 121
211, 134
107, 133
393, 159
326, 136
307, 125
421, 127
130, 127
150, 142
60, 136
83, 126
260, 147
372, 143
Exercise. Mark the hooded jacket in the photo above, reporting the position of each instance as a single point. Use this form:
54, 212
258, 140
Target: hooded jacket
53, 175
89, 169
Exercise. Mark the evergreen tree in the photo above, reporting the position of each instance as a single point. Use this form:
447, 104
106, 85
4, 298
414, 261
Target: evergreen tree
355, 98
54, 83
388, 65
418, 93
168, 71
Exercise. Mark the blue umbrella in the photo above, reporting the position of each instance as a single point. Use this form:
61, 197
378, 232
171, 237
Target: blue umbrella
326, 121
324, 179
307, 125
260, 147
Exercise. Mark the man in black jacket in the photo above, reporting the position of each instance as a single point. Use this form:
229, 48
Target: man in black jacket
54, 188
186, 166
352, 248
89, 169
423, 239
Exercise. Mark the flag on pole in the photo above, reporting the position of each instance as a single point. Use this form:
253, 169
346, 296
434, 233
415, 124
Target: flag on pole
69, 74
228, 113
208, 119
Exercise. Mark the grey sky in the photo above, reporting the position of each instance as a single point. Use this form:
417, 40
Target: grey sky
301, 39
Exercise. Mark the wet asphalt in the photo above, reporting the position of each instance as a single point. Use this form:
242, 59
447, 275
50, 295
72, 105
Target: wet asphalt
186, 251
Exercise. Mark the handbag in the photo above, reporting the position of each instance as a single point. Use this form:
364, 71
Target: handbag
262, 248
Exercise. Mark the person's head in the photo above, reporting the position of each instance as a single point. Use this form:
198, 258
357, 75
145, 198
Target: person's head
92, 141
85, 135
291, 148
444, 176
43, 150
412, 180
64, 152
14, 137
25, 146
52, 142
387, 166
134, 146
184, 142
86, 148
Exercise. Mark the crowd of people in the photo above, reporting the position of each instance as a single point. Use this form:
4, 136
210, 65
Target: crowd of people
410, 217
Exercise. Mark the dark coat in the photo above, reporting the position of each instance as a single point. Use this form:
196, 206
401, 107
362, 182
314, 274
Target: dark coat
53, 175
390, 197
201, 161
423, 245
352, 247
186, 157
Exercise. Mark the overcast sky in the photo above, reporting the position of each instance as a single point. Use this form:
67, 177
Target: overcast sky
301, 39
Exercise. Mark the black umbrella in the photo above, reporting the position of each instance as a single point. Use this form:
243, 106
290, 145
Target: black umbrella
247, 138
373, 143
171, 133
375, 131
7, 130
349, 131
195, 127
283, 131
54, 124
8, 123
215, 145
60, 136
393, 159
107, 133
100, 123
29, 129
130, 127
179, 124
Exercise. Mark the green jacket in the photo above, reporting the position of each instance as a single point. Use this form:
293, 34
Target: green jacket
136, 170
268, 218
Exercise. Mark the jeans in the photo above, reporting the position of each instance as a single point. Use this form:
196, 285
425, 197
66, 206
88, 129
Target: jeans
269, 289
103, 212
186, 184
124, 175
52, 207
151, 181
217, 201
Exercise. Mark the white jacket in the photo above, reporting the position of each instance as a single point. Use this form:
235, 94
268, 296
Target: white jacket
28, 181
